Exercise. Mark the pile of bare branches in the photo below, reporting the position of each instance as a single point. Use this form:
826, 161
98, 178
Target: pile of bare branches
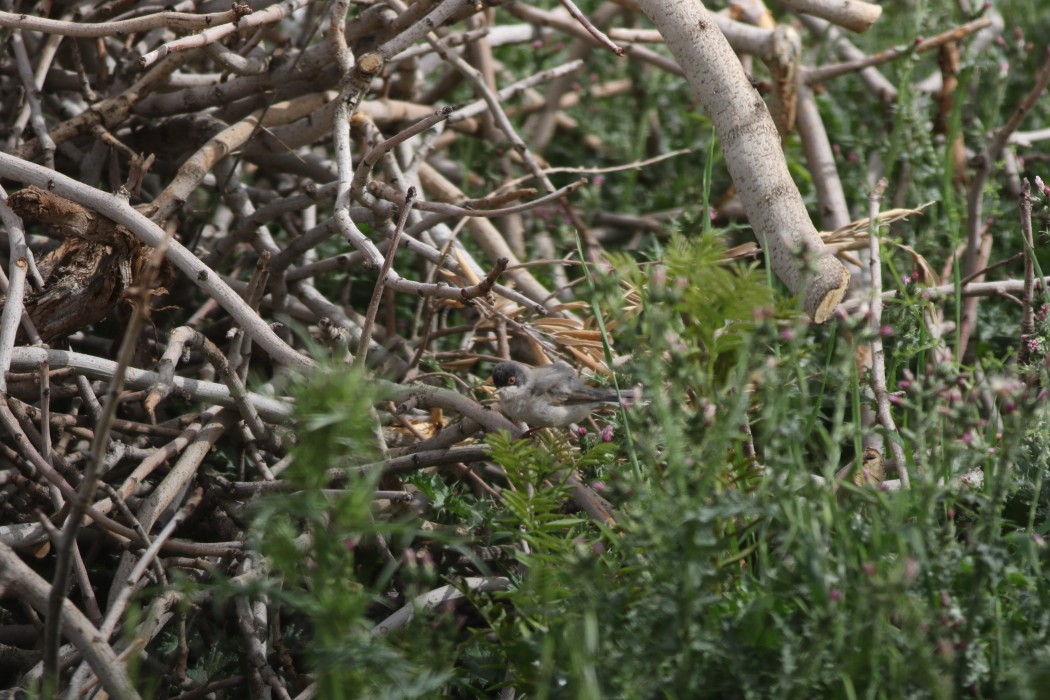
175, 181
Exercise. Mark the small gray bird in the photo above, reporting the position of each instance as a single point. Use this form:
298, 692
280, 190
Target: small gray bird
551, 396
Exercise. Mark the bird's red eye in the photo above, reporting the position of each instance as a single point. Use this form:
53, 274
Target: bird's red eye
512, 380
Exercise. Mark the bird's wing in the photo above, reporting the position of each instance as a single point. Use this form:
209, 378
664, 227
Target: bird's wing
559, 385
556, 383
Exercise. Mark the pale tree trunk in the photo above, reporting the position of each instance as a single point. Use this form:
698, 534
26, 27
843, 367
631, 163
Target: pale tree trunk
753, 154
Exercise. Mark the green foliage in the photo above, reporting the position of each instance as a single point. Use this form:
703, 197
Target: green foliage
722, 584
327, 572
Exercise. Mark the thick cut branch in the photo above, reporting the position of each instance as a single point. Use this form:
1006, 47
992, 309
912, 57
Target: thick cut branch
854, 15
86, 276
753, 154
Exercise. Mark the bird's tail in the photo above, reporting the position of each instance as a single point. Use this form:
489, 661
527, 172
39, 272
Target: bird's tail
626, 396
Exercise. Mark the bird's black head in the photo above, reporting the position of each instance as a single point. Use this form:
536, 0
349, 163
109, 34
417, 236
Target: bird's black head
507, 374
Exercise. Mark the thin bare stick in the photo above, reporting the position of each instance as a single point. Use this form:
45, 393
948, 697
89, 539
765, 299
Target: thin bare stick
243, 20
559, 21
13, 305
834, 211
1027, 317
379, 189
485, 286
45, 409
113, 496
377, 293
980, 274
364, 168
878, 354
432, 396
1027, 139
467, 37
179, 21
83, 580
591, 29
998, 288
256, 651
439, 596
26, 358
511, 91
417, 30
25, 72
847, 51
817, 75
241, 348
44, 58
633, 165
